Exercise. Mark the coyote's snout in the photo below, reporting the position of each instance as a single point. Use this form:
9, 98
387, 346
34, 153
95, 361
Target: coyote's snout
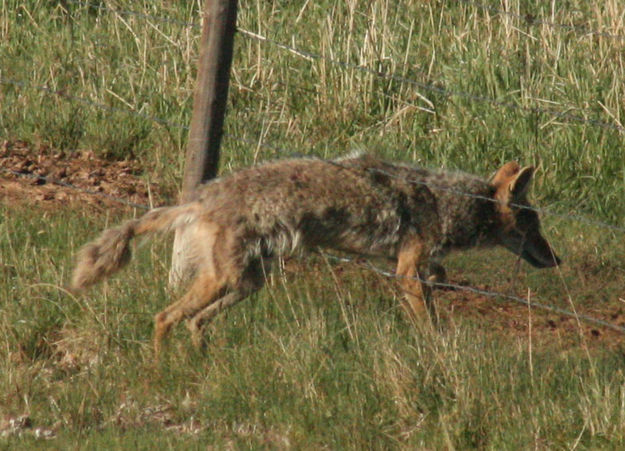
240, 223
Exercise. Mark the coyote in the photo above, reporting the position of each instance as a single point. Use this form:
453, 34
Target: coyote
358, 204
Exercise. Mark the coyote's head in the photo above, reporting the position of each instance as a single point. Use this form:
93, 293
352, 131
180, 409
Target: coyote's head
520, 227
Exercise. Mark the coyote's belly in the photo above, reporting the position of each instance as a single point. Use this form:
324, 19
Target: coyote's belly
362, 231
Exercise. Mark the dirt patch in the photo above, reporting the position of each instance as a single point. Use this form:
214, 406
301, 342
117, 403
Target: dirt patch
49, 178
510, 318
499, 315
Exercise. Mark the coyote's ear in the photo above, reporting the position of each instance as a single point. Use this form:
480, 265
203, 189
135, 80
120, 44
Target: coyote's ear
505, 175
521, 183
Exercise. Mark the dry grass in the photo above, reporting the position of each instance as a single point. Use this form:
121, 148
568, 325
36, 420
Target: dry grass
324, 360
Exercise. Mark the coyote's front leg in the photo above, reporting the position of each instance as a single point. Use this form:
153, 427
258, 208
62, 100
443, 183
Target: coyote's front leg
411, 257
437, 274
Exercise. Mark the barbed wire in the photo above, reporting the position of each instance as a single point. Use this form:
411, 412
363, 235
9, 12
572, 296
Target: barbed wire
312, 56
63, 94
434, 88
459, 192
446, 285
532, 20
297, 52
431, 87
490, 294
284, 153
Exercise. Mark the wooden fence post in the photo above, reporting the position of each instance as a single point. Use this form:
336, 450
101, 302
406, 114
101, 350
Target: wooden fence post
209, 107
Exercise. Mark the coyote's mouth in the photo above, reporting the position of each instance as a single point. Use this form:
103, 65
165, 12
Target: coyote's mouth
542, 262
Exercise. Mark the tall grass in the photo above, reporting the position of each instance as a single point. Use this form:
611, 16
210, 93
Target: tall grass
324, 361
483, 87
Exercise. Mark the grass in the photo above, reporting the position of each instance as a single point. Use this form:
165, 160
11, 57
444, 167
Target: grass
327, 360
90, 77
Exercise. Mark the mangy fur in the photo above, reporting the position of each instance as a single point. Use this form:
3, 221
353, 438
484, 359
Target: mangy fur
358, 204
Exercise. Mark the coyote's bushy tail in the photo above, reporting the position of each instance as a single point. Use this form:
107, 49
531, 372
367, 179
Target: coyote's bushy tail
111, 250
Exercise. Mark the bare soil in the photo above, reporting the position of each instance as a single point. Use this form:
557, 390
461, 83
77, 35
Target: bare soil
40, 175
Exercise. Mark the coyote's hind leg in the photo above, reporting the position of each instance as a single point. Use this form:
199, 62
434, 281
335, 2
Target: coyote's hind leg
250, 281
205, 289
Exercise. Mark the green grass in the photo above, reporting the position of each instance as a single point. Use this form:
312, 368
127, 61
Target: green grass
325, 360
492, 70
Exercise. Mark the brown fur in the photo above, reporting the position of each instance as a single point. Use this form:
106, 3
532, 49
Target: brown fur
359, 204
